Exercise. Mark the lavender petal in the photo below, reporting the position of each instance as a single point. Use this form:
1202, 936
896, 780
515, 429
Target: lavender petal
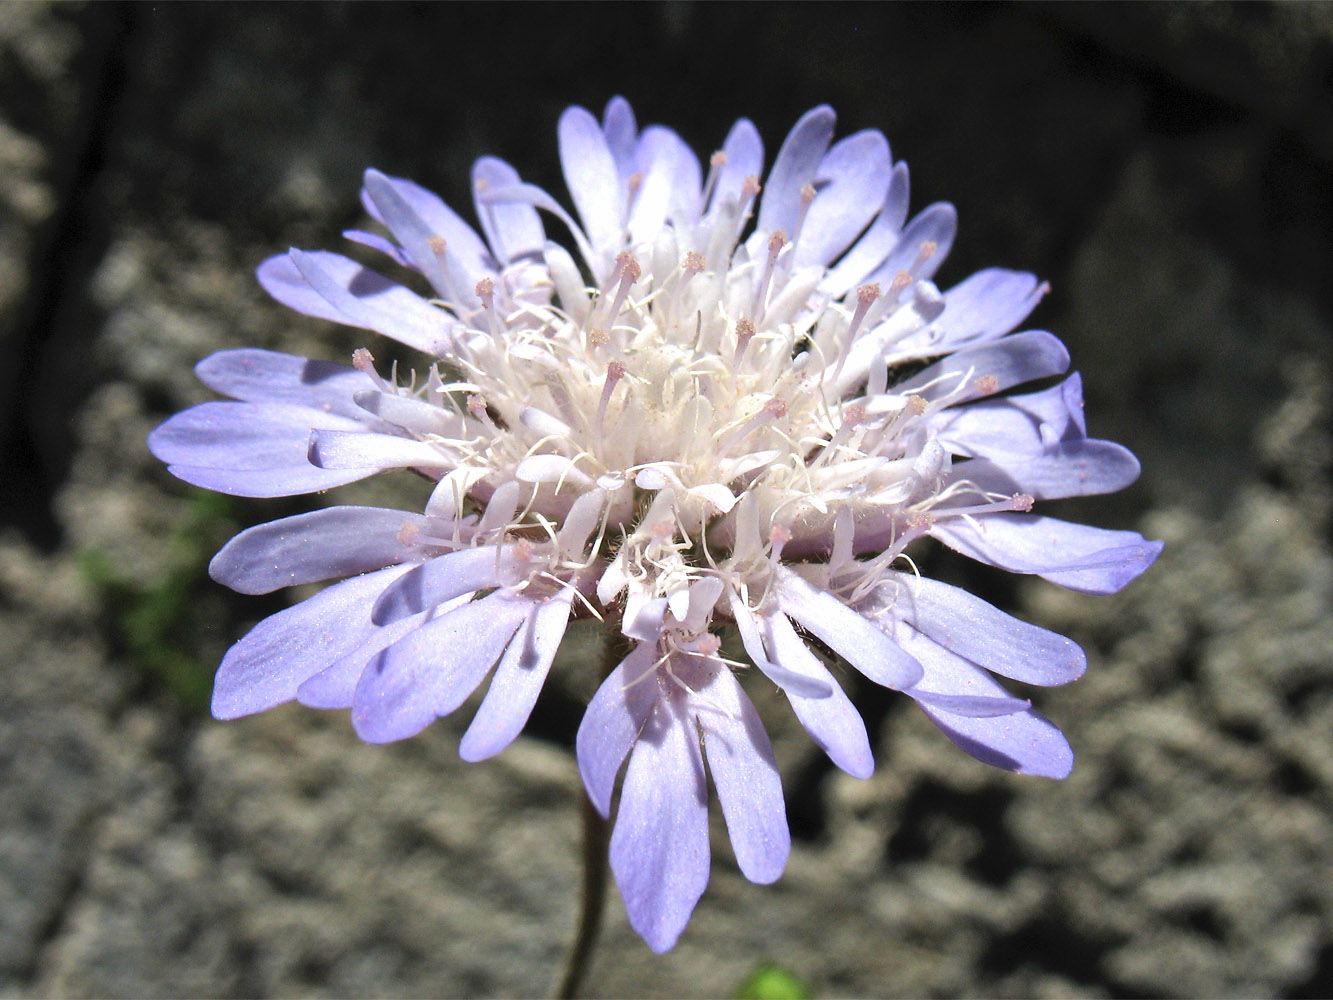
612, 723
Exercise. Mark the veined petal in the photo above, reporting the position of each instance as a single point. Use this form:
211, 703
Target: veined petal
368, 450
935, 226
266, 667
258, 376
320, 545
439, 580
1077, 556
513, 229
1025, 742
846, 632
740, 758
973, 629
852, 180
1012, 360
1078, 469
832, 721
592, 178
333, 287
518, 680
612, 722
431, 671
795, 166
659, 847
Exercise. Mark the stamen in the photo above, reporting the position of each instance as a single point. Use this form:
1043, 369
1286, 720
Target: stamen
715, 164
807, 199
775, 244
866, 296
628, 272
744, 334
615, 371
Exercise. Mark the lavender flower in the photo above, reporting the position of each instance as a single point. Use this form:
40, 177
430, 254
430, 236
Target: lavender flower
700, 424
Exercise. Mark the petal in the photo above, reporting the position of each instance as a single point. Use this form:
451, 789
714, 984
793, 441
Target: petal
1025, 742
969, 627
258, 376
431, 671
1083, 558
439, 580
745, 158
988, 304
418, 219
248, 449
333, 287
612, 721
1012, 360
832, 721
936, 224
513, 228
852, 181
518, 680
320, 545
856, 640
740, 759
1079, 469
796, 165
592, 179
622, 133
659, 847
368, 450
877, 242
266, 667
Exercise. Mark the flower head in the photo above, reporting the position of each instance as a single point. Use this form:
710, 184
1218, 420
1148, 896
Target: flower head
738, 406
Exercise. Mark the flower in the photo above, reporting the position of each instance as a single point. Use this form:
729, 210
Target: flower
735, 410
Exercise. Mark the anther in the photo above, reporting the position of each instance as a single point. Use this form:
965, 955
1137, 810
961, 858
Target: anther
775, 244
807, 199
486, 291
1022, 502
744, 334
628, 271
363, 360
694, 262
437, 246
987, 384
917, 405
598, 337
615, 371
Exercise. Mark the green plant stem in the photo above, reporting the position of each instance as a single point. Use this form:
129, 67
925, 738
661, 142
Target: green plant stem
592, 891
592, 902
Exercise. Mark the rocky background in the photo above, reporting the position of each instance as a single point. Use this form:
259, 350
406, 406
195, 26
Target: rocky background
1167, 167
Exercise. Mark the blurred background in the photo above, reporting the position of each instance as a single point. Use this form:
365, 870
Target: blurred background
1167, 167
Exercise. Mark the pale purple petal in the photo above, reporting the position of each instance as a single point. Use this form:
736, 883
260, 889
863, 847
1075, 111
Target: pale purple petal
258, 376
431, 671
986, 305
661, 146
320, 545
266, 667
333, 287
518, 680
592, 179
971, 628
744, 770
745, 158
1077, 556
377, 242
369, 450
622, 132
846, 632
439, 580
659, 847
875, 245
612, 721
832, 721
1027, 424
851, 183
513, 228
1025, 742
795, 166
935, 224
1010, 360
417, 220
1078, 469
248, 449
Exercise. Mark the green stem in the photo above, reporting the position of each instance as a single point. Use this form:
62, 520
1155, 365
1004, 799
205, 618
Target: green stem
592, 900
592, 891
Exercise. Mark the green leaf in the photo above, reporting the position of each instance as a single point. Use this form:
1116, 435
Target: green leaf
772, 982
